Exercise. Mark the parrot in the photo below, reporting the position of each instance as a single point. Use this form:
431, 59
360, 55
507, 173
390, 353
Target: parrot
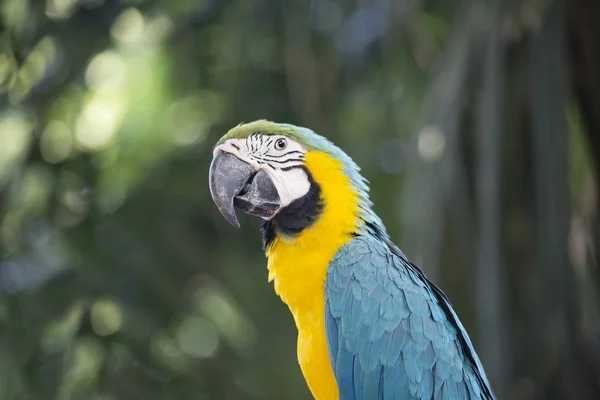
371, 325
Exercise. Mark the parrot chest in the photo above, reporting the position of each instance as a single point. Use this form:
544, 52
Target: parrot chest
313, 357
299, 277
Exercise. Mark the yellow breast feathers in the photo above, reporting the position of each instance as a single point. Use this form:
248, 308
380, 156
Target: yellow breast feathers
298, 267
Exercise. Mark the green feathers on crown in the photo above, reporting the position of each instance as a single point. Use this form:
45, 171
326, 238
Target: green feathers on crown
261, 126
265, 127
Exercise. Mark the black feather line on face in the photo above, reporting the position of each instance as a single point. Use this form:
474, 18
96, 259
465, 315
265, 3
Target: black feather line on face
269, 141
283, 155
288, 160
297, 216
291, 167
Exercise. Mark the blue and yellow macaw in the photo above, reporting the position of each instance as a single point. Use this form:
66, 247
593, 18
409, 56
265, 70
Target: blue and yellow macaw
370, 324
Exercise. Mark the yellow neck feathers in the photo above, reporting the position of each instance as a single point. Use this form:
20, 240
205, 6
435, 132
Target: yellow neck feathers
298, 267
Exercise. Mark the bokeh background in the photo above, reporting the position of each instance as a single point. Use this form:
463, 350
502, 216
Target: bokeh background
477, 123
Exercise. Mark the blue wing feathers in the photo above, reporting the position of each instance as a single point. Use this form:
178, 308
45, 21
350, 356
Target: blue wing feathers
358, 377
370, 382
392, 334
381, 383
332, 334
462, 391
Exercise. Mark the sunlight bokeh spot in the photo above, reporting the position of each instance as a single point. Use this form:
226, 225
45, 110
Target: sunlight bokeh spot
97, 125
48, 45
20, 87
431, 143
107, 70
106, 317
41, 58
56, 142
60, 9
187, 121
35, 65
128, 28
197, 337
15, 129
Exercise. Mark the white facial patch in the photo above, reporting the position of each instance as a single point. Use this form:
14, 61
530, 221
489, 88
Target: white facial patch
278, 155
291, 185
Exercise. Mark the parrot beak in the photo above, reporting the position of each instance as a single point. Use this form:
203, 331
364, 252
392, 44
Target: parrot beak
236, 184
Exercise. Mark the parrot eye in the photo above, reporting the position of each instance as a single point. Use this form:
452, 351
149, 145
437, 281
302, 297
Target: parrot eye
280, 144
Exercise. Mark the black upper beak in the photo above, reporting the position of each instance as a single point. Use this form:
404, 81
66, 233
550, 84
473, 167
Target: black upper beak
235, 183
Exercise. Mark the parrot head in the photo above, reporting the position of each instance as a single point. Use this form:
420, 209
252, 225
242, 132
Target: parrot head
263, 168
258, 169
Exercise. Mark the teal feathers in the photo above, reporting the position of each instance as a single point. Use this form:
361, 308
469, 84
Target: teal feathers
392, 334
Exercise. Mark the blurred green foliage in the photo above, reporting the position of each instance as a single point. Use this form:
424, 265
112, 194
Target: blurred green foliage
119, 279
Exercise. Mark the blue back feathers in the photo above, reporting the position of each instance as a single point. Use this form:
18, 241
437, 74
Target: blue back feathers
393, 335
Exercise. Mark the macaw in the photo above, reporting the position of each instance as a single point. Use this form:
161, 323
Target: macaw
370, 324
